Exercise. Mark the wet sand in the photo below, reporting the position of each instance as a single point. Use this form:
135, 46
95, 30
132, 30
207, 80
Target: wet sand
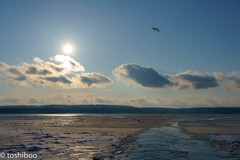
217, 126
223, 133
81, 137
95, 136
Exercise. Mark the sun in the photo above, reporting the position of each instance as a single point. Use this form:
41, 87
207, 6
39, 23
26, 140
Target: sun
68, 49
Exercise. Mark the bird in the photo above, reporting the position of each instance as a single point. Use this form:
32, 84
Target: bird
155, 29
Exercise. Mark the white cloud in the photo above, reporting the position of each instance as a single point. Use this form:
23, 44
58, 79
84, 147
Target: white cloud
233, 81
61, 72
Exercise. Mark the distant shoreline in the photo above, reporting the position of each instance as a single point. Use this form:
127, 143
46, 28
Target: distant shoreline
112, 109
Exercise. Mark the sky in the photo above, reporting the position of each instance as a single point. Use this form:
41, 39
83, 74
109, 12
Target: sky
193, 61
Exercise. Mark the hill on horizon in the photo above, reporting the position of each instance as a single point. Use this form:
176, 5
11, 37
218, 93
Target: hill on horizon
112, 109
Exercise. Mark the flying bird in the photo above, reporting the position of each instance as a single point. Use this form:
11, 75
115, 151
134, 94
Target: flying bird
155, 29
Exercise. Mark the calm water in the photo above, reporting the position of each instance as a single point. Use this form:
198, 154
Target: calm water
169, 143
50, 115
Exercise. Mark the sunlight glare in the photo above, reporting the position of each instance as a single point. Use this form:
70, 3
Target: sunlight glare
68, 49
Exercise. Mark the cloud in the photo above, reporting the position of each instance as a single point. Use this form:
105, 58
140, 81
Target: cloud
9, 100
93, 79
33, 101
233, 81
144, 102
142, 76
60, 79
34, 70
61, 72
149, 78
67, 63
18, 74
14, 74
212, 103
99, 100
196, 80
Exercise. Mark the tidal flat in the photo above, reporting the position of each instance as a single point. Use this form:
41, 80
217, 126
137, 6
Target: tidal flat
73, 137
94, 136
223, 133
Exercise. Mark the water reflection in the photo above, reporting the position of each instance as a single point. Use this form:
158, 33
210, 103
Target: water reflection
167, 143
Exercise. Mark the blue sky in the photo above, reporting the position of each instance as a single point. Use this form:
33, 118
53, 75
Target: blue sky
201, 36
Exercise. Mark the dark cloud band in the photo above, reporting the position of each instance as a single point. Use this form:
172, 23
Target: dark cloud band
60, 79
149, 78
196, 80
34, 70
143, 76
95, 78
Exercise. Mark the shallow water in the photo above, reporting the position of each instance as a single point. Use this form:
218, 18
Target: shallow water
168, 143
208, 117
